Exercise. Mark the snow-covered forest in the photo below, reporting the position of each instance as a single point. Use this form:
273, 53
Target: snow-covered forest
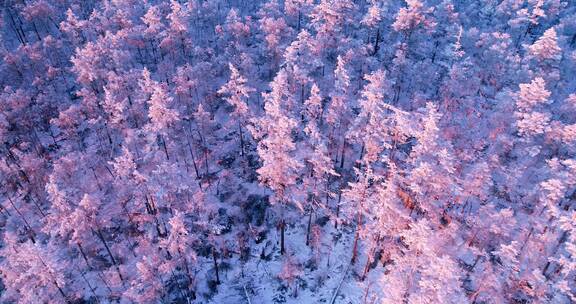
288, 151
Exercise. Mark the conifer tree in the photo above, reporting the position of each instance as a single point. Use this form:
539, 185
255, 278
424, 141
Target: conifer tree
280, 168
238, 92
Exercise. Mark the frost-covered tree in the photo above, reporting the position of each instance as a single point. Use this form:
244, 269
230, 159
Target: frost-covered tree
431, 142
280, 168
546, 47
238, 92
33, 273
531, 98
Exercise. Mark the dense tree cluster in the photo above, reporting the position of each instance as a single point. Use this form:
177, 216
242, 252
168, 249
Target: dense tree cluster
301, 151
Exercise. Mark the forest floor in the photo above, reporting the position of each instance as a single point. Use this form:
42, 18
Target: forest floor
258, 278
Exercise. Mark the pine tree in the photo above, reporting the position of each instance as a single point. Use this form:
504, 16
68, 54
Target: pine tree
531, 98
410, 17
546, 47
298, 8
276, 30
329, 18
238, 92
280, 168
339, 113
32, 273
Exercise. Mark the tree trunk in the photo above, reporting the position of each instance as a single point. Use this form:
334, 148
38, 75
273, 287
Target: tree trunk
31, 231
361, 155
355, 247
4, 210
476, 262
193, 158
84, 255
338, 208
241, 139
343, 154
191, 293
522, 36
206, 160
90, 267
101, 237
367, 266
282, 229
475, 297
299, 20
376, 43
356, 238
327, 189
89, 285
366, 294
309, 228
205, 148
302, 101
96, 178
61, 292
164, 146
216, 265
